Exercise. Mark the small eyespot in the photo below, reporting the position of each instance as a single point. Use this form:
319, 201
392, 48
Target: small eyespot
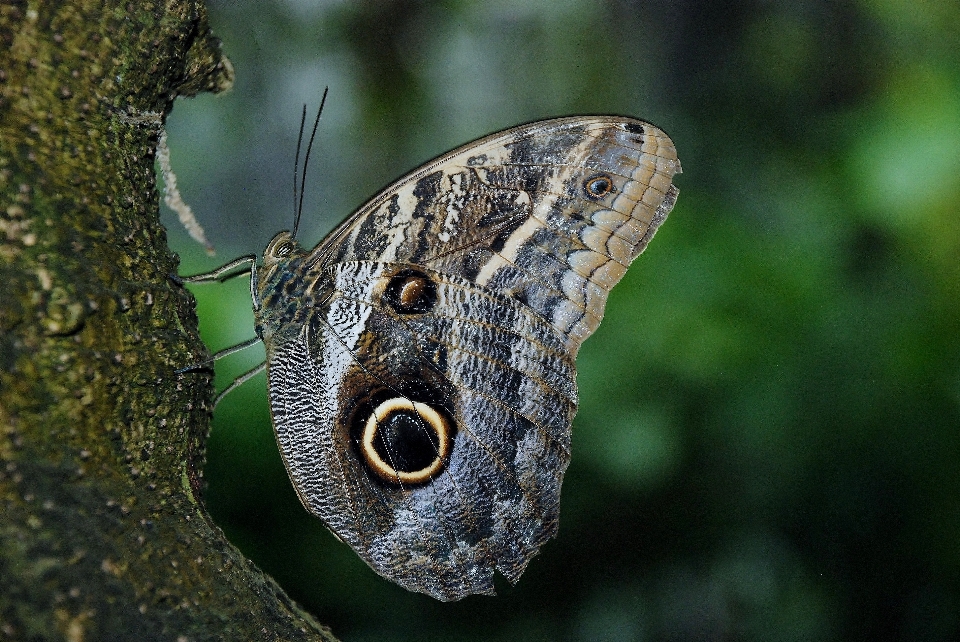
405, 442
411, 292
598, 186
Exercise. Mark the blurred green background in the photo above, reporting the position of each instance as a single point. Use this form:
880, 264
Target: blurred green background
768, 441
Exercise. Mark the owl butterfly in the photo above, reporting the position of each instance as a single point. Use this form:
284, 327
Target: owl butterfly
420, 359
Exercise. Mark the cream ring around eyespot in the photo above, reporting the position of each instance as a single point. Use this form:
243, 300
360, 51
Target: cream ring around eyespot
434, 420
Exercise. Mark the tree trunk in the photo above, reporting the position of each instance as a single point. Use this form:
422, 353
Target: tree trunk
102, 532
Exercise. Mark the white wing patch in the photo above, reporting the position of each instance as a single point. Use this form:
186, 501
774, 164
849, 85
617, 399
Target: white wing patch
455, 200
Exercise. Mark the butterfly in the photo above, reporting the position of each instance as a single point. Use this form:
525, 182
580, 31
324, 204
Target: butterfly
420, 359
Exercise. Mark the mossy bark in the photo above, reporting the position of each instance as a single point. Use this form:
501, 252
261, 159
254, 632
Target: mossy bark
102, 533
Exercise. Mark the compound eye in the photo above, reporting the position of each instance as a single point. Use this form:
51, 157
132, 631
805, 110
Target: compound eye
281, 246
284, 249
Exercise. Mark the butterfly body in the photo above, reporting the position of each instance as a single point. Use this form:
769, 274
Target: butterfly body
420, 359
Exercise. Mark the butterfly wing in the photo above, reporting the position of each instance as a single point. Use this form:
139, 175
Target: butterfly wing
421, 358
550, 213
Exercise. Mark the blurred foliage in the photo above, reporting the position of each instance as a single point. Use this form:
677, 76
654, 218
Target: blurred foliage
768, 440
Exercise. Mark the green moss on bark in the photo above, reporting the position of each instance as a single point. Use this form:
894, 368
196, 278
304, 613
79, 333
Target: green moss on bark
102, 443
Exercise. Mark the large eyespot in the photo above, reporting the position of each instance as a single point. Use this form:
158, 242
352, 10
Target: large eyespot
598, 186
405, 442
411, 292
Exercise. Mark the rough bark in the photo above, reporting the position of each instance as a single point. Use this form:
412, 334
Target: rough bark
102, 531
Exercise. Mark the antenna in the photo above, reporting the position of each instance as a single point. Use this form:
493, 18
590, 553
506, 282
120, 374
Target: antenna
306, 159
296, 173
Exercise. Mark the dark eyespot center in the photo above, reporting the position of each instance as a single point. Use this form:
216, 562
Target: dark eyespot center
411, 292
406, 442
598, 186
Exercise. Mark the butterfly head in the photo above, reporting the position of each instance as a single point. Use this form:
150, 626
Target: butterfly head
277, 284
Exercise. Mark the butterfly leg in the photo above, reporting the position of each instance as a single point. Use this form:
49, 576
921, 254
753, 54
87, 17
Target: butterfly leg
219, 355
222, 273
239, 381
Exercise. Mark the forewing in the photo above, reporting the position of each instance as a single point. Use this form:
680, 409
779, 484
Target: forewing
550, 213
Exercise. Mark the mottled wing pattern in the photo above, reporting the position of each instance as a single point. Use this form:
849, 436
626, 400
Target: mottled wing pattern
421, 358
514, 213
